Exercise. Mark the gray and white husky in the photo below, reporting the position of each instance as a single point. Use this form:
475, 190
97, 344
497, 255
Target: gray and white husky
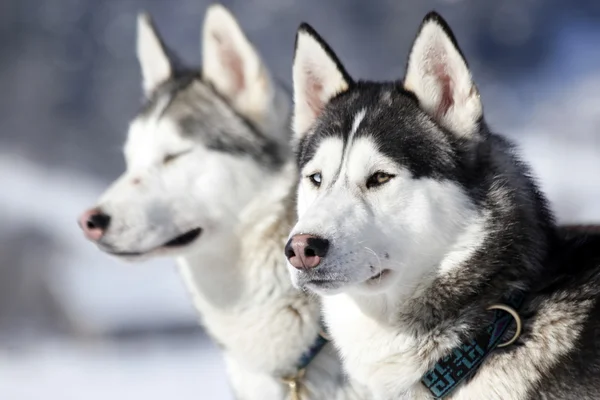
210, 180
414, 218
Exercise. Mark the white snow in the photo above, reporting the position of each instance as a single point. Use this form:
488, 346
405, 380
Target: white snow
152, 371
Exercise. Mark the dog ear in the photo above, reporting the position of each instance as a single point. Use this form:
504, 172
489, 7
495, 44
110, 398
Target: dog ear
233, 66
438, 75
152, 55
318, 76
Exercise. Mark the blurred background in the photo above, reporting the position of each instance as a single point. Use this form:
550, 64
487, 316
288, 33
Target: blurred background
76, 324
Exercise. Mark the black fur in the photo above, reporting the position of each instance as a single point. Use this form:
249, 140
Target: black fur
523, 251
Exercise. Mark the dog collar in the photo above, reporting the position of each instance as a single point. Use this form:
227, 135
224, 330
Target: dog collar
307, 357
464, 360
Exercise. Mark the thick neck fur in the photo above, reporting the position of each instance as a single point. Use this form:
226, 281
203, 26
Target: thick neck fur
241, 283
250, 308
241, 287
450, 305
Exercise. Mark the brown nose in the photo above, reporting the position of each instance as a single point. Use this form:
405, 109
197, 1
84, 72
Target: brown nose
306, 251
94, 223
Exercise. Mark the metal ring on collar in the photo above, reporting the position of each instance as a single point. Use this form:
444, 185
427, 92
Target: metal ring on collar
516, 317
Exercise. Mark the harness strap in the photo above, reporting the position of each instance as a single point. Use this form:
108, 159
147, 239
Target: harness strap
294, 381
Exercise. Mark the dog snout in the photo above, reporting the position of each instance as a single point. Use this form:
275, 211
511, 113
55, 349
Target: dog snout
306, 251
94, 223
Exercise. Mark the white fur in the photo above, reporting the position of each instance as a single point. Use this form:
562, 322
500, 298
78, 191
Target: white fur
378, 355
364, 226
358, 118
467, 243
153, 60
235, 270
418, 229
316, 80
377, 349
437, 71
375, 230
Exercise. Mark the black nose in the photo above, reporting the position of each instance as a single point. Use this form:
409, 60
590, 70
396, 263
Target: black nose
98, 220
306, 251
316, 247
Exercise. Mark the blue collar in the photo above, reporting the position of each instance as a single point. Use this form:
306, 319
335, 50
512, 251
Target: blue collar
309, 355
464, 360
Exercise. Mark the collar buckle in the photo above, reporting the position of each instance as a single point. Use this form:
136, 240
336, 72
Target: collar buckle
294, 382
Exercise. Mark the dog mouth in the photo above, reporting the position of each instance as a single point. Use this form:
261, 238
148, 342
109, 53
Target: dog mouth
336, 283
319, 281
317, 284
378, 277
177, 242
185, 239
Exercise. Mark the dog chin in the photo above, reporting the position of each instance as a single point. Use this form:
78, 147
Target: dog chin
325, 288
315, 284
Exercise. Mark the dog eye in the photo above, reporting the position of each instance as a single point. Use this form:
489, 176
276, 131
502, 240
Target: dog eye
378, 179
170, 157
315, 179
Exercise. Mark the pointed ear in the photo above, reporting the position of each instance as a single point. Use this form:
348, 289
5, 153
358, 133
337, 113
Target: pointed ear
318, 76
152, 55
232, 65
439, 76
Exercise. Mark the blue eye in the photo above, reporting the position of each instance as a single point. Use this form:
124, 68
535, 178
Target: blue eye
315, 179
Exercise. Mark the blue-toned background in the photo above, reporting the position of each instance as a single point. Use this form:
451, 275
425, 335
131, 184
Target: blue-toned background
75, 324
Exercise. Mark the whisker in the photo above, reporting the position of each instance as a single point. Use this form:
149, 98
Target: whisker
378, 261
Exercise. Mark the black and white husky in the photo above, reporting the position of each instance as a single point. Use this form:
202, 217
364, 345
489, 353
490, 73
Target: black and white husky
211, 181
414, 219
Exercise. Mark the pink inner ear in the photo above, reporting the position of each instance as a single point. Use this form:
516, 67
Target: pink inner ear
447, 86
314, 90
232, 62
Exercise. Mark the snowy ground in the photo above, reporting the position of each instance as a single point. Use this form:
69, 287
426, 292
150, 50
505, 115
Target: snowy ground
149, 371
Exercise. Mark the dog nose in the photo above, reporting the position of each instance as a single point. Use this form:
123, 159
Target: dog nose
306, 251
94, 223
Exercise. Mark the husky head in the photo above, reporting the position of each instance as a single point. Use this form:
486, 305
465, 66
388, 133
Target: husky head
199, 150
382, 199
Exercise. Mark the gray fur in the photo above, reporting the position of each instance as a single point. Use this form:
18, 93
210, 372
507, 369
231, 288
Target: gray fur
558, 354
204, 115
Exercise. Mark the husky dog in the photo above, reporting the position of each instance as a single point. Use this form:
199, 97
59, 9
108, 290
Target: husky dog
414, 218
211, 181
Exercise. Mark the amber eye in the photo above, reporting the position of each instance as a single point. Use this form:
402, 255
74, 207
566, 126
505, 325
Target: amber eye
378, 179
315, 179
